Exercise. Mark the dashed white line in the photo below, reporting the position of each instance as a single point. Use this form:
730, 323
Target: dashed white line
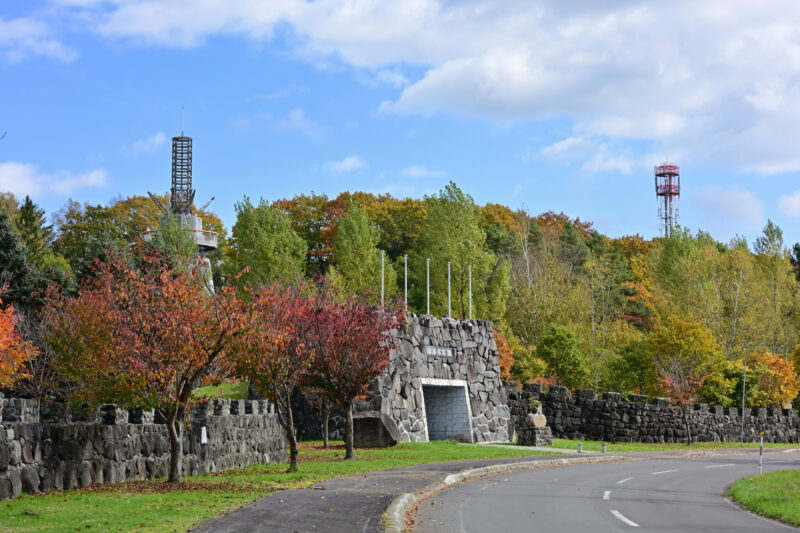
663, 472
621, 481
626, 520
607, 495
718, 466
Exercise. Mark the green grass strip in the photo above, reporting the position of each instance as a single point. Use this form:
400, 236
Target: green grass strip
155, 506
774, 495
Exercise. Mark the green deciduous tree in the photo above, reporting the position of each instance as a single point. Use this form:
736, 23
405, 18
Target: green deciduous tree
264, 242
560, 350
452, 233
356, 270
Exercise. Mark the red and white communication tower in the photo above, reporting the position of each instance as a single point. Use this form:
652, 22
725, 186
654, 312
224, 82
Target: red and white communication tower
668, 190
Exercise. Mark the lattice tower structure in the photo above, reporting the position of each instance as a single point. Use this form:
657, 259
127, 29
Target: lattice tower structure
182, 194
668, 190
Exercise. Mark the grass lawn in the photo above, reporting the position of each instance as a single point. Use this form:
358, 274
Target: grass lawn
156, 506
228, 391
594, 446
775, 495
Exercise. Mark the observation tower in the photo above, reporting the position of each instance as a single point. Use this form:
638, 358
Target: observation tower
668, 190
182, 197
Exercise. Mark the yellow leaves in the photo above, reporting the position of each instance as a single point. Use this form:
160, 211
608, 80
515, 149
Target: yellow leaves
778, 384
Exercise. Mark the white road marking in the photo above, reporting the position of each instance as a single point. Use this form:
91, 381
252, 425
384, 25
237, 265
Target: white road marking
772, 462
626, 520
621, 481
663, 472
718, 466
606, 494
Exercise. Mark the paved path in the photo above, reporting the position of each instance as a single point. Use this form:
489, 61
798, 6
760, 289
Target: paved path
663, 494
344, 505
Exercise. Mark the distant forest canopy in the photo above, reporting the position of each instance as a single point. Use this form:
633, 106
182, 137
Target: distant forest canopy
669, 316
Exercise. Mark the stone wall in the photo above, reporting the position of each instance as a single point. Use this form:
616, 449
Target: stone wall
584, 416
66, 450
442, 353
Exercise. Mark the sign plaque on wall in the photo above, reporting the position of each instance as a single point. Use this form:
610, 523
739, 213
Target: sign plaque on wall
438, 351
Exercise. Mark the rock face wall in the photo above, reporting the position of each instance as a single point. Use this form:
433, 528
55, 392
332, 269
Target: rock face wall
583, 416
430, 353
111, 445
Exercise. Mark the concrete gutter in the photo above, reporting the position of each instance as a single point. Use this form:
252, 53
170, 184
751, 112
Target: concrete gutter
397, 512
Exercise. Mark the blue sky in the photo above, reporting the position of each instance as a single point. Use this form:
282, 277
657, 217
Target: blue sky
561, 108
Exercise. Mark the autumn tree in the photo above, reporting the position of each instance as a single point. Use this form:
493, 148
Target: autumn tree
399, 221
274, 353
12, 347
351, 345
777, 384
315, 219
505, 354
356, 270
684, 355
147, 336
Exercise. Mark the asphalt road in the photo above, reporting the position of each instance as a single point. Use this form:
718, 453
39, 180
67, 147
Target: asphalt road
664, 495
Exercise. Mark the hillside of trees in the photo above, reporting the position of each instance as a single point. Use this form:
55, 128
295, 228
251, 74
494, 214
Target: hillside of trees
672, 316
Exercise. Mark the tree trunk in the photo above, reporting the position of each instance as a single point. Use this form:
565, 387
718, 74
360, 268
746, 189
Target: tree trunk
175, 430
348, 430
292, 437
326, 417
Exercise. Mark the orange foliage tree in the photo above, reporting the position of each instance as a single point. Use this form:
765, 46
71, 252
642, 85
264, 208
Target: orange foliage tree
505, 353
145, 335
777, 384
12, 348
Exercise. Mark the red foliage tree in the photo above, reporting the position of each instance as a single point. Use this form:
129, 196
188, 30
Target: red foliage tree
351, 348
145, 336
13, 348
273, 353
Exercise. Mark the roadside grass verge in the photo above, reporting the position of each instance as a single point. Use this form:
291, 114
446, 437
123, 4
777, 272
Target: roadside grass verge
595, 446
155, 506
774, 495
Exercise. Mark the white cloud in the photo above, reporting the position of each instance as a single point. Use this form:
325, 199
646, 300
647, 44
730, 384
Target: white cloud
147, 145
67, 183
25, 179
595, 156
730, 206
718, 79
789, 204
296, 121
21, 38
419, 171
348, 164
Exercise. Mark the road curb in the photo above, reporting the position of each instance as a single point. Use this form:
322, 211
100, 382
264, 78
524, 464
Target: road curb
397, 511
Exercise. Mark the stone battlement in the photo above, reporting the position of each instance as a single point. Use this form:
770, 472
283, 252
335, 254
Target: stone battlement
67, 449
584, 416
